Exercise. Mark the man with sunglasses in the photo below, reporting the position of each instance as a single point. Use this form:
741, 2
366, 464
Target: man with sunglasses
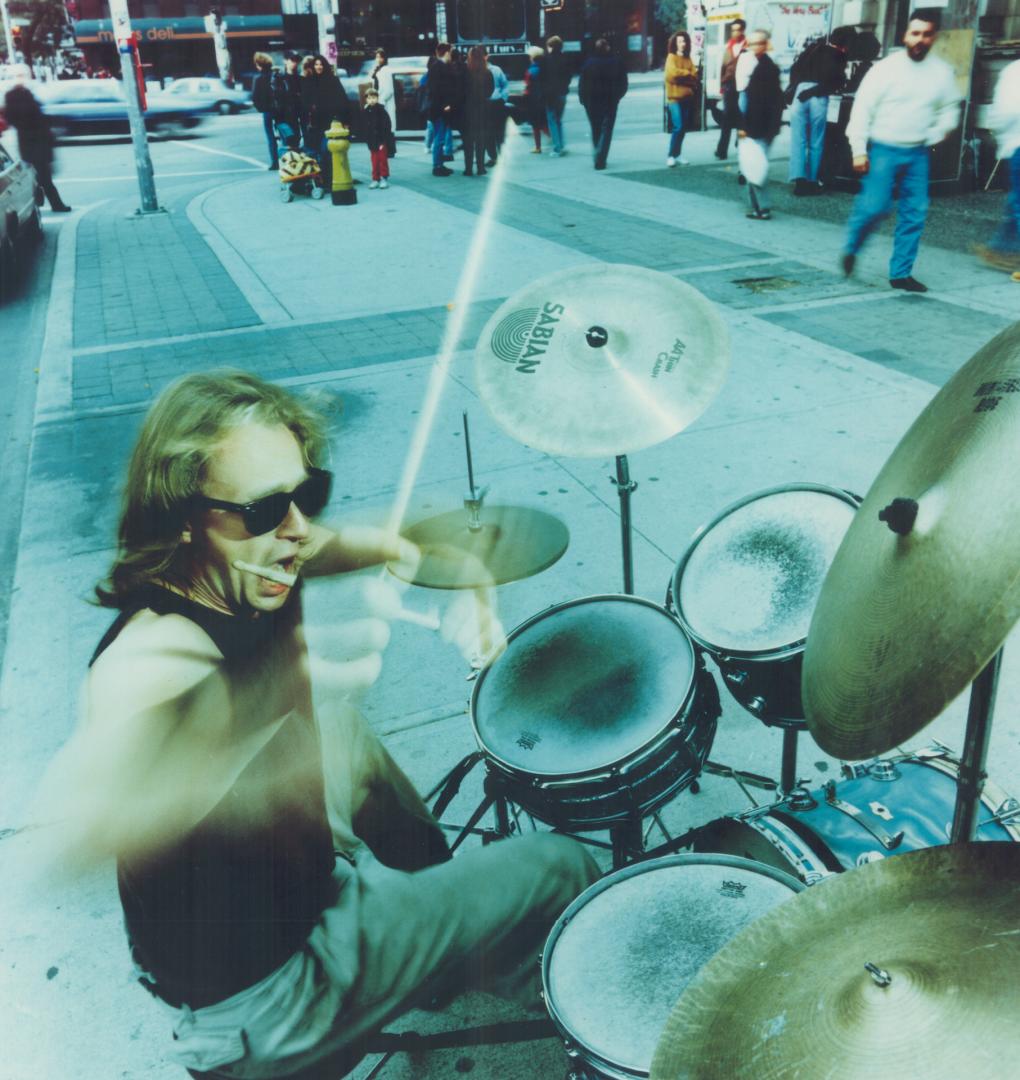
285, 890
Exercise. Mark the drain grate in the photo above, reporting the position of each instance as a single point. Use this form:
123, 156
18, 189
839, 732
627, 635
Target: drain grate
765, 284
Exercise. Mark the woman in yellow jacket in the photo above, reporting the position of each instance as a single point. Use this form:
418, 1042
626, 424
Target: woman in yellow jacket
681, 83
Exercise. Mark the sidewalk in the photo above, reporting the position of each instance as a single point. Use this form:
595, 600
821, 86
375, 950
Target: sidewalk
351, 303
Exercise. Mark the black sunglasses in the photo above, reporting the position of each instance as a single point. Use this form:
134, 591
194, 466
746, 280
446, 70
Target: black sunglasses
266, 514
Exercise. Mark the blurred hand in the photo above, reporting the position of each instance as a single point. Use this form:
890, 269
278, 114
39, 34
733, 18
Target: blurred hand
471, 624
861, 164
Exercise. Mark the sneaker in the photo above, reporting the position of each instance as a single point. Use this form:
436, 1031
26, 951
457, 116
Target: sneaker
536, 150
907, 284
682, 161
554, 153
374, 184
384, 183
670, 162
760, 215
442, 170
846, 263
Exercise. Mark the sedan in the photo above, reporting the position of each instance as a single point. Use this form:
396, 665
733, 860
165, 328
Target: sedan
214, 95
97, 107
20, 225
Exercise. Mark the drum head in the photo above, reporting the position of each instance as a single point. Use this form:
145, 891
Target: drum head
583, 685
624, 951
749, 583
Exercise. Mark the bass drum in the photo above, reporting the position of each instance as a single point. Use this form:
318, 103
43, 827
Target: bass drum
597, 711
620, 956
746, 588
885, 807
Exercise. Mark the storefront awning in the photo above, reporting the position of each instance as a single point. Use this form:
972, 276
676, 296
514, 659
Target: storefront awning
153, 31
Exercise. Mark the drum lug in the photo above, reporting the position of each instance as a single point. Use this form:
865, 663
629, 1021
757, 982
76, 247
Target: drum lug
737, 678
882, 770
800, 798
887, 840
756, 705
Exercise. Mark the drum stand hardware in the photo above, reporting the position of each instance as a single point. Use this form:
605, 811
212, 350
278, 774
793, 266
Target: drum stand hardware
975, 751
625, 487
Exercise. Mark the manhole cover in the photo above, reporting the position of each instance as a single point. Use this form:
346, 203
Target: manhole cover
765, 284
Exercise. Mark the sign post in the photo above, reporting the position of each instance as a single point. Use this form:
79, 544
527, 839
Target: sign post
127, 49
8, 36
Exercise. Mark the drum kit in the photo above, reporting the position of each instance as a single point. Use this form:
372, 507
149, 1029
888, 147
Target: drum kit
783, 941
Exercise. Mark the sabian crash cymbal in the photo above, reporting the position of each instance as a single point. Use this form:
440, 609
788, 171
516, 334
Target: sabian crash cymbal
601, 360
791, 997
513, 542
904, 622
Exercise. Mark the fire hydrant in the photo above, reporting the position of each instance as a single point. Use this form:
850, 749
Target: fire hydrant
338, 141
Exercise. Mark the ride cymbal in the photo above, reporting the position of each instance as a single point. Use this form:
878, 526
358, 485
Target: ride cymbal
905, 620
791, 996
511, 542
601, 360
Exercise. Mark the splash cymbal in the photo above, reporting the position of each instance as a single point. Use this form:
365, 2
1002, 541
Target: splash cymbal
790, 996
601, 360
905, 620
510, 543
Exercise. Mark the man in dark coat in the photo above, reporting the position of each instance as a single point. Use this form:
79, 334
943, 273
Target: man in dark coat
761, 104
444, 101
602, 84
555, 82
287, 94
35, 140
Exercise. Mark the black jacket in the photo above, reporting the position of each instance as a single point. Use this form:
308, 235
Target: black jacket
555, 75
819, 63
324, 100
287, 99
376, 127
262, 92
763, 116
23, 112
603, 82
478, 88
444, 90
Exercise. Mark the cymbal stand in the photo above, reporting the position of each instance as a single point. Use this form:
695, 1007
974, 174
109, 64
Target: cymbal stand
624, 488
476, 496
975, 752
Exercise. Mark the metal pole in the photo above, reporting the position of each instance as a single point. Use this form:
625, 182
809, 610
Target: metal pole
788, 774
975, 752
8, 36
624, 487
143, 162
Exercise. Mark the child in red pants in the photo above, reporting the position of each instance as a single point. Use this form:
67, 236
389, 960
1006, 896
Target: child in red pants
378, 135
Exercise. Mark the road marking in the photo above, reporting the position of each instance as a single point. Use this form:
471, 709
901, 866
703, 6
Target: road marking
158, 175
188, 144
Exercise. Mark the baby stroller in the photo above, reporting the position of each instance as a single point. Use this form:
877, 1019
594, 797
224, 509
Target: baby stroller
299, 175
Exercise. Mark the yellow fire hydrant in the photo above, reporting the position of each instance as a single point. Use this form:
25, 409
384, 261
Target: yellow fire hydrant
338, 142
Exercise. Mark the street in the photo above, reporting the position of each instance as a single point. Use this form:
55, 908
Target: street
353, 304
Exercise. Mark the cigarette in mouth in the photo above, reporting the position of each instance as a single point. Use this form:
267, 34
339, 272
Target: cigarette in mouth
267, 572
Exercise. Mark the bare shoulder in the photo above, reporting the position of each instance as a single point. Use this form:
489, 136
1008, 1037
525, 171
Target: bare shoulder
154, 659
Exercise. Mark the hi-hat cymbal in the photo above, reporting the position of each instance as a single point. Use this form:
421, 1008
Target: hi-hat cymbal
601, 360
790, 996
904, 622
511, 542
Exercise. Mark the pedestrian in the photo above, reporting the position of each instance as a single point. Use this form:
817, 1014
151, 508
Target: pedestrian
498, 106
760, 101
287, 95
279, 874
478, 88
264, 100
35, 140
554, 79
906, 103
818, 72
323, 100
727, 111
378, 134
602, 84
681, 77
382, 80
443, 87
1003, 250
534, 97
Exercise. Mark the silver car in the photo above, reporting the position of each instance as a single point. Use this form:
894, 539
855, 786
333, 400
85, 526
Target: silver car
213, 94
20, 224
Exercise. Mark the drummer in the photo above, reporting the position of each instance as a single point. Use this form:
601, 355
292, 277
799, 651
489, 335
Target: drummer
285, 890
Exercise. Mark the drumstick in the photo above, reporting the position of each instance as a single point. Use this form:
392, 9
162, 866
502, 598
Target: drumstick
428, 619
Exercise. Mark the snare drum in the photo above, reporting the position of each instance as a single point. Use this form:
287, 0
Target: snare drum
746, 588
619, 957
886, 807
597, 711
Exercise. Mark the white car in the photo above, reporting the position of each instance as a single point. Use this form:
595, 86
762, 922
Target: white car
214, 94
20, 226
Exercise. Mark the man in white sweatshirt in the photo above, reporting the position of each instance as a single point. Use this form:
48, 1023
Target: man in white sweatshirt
906, 103
1003, 250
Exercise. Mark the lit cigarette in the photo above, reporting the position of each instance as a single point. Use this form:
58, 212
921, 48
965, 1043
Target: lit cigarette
267, 572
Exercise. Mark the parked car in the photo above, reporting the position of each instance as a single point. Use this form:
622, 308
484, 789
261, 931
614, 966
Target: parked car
407, 72
20, 224
213, 94
97, 107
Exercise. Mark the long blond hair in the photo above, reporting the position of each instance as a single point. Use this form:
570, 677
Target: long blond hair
186, 423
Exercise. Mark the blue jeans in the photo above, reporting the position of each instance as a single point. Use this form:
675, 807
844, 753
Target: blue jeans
680, 121
554, 115
895, 172
267, 124
807, 134
430, 138
442, 137
1007, 238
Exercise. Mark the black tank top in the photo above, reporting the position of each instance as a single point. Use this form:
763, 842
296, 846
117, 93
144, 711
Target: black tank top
238, 894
